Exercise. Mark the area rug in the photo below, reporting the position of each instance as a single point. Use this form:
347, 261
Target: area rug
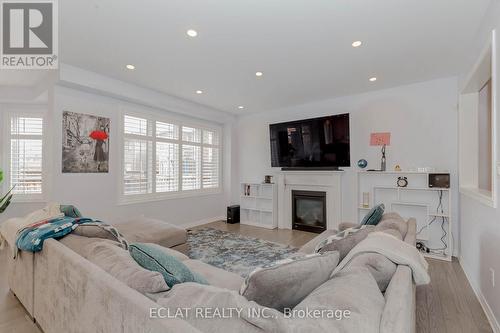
233, 252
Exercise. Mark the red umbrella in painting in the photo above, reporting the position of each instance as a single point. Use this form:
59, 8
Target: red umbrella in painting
99, 135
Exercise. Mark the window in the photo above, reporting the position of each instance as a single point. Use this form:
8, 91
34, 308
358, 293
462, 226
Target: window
164, 158
25, 155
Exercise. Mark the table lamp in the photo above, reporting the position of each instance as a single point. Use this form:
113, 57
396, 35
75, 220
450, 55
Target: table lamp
381, 139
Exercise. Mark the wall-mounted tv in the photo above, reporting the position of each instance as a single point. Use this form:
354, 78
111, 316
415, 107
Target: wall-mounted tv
320, 143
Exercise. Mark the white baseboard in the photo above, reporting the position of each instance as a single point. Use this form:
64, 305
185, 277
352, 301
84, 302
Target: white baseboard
484, 304
201, 222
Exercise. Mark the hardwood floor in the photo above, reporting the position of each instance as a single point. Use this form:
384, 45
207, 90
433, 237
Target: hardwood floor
447, 305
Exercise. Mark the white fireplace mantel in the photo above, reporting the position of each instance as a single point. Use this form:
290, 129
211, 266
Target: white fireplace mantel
325, 181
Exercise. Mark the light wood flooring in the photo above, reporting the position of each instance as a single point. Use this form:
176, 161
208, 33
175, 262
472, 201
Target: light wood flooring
446, 305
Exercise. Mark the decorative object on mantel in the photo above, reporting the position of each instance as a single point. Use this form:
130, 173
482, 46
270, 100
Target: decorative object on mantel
247, 189
268, 179
402, 181
366, 199
381, 139
362, 163
397, 168
85, 143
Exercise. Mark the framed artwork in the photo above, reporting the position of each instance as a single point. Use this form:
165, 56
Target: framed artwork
85, 143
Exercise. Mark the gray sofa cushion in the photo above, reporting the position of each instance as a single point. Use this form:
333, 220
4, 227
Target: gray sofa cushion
381, 268
81, 244
345, 241
215, 276
310, 246
352, 289
118, 263
287, 282
393, 221
196, 296
147, 230
93, 230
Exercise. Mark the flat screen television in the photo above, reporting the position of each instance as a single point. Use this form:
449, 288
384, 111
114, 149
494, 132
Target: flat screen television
320, 143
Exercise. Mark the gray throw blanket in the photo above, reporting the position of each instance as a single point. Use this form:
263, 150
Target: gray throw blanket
399, 252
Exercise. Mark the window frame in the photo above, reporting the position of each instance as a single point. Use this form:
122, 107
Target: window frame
483, 70
125, 199
30, 111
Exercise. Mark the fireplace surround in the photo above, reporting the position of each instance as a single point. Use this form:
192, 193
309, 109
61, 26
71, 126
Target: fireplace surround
329, 182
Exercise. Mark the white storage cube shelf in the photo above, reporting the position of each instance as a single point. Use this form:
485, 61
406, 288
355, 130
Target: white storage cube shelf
258, 205
417, 200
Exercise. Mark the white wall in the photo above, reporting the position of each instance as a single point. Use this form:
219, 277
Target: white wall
421, 117
96, 195
480, 224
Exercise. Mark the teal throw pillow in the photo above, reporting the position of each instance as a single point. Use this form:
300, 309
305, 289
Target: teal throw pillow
172, 269
374, 215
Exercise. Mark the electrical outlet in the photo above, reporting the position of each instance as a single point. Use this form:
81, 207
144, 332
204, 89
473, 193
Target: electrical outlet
492, 277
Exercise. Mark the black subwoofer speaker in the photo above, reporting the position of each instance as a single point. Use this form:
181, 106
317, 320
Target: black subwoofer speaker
233, 214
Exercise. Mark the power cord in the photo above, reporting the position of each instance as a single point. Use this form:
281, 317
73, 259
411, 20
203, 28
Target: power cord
439, 209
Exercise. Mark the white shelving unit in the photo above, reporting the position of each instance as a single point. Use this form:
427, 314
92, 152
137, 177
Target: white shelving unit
417, 200
259, 205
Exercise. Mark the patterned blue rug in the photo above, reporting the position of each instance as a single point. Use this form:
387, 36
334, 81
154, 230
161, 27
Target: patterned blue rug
233, 252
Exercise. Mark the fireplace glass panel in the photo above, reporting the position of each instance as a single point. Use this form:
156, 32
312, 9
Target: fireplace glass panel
309, 211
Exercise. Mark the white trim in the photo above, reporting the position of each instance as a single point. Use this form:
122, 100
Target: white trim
484, 69
495, 326
202, 222
152, 197
481, 196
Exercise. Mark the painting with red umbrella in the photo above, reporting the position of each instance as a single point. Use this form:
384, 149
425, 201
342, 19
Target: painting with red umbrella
85, 143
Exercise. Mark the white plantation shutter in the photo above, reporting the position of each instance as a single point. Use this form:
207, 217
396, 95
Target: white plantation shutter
167, 167
167, 131
210, 167
165, 157
191, 167
211, 161
210, 137
137, 126
191, 134
26, 155
137, 156
137, 161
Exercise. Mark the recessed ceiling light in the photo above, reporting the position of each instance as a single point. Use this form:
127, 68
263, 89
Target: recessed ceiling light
241, 107
357, 43
192, 33
259, 74
131, 67
373, 79
199, 92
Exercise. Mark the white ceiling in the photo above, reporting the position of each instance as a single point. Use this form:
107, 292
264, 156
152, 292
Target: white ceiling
302, 46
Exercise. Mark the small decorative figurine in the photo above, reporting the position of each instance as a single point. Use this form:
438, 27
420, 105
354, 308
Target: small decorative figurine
397, 168
362, 163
